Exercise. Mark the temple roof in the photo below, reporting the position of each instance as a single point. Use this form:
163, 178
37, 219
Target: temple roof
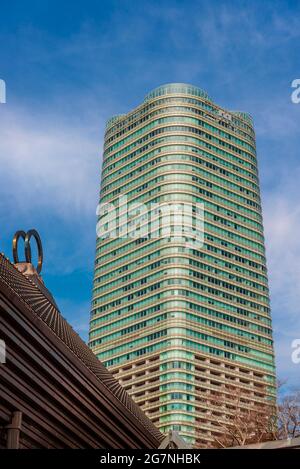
39, 301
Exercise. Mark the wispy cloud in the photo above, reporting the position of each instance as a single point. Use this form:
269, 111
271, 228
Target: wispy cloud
49, 163
282, 228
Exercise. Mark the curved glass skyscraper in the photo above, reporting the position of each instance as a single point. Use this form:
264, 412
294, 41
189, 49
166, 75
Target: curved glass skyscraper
179, 321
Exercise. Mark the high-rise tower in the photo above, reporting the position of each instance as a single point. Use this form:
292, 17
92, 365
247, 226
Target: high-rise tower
176, 322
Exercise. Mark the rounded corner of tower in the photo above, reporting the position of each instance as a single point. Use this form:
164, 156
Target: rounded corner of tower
177, 88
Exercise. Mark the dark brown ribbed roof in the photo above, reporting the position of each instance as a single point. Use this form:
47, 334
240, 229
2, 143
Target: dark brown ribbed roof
39, 300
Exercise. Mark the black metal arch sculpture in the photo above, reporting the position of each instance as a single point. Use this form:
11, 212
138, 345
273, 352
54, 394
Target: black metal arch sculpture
28, 254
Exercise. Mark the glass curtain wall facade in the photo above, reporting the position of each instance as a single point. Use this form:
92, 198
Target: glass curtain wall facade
175, 323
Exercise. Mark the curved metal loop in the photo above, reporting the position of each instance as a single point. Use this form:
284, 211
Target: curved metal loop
28, 255
18, 235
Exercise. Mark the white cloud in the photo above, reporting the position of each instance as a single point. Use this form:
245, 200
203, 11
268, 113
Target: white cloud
49, 163
277, 118
282, 228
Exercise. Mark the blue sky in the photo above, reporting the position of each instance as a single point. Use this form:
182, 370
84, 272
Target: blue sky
68, 66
